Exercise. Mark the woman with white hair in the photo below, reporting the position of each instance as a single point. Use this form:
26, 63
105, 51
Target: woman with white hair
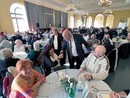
19, 47
8, 59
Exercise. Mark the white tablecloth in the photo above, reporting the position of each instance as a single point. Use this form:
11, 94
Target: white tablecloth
52, 89
20, 55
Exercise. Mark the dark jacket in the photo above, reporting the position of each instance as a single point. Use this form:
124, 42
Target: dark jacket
79, 40
8, 62
47, 64
60, 40
109, 48
11, 62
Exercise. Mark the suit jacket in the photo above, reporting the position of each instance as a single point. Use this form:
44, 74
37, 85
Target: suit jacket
79, 40
60, 40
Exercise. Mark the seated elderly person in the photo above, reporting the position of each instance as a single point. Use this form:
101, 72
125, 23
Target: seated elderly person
19, 47
7, 58
94, 39
122, 94
107, 36
4, 43
107, 44
96, 65
26, 84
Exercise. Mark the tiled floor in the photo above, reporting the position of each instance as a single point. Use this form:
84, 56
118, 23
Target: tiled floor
120, 79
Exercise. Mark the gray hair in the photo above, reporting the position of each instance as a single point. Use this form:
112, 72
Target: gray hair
18, 40
55, 29
6, 53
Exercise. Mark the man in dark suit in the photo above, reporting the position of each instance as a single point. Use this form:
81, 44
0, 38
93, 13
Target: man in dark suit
73, 44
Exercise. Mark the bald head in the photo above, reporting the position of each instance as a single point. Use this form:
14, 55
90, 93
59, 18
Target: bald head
67, 35
99, 51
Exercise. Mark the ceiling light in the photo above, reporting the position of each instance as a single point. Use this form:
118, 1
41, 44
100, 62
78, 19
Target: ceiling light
104, 3
70, 7
107, 12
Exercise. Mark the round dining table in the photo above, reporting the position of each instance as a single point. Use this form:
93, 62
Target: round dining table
20, 55
53, 89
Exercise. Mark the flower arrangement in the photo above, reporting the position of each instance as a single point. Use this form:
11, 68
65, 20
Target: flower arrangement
67, 81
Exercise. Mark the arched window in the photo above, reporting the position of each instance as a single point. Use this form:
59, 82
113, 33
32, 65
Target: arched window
78, 23
110, 21
99, 19
71, 21
19, 18
89, 22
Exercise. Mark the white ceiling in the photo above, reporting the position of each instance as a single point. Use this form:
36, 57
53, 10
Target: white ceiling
91, 6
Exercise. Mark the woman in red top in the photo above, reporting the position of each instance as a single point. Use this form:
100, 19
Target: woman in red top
26, 84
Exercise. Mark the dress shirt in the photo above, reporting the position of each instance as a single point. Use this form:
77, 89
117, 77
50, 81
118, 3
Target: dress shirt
55, 42
74, 51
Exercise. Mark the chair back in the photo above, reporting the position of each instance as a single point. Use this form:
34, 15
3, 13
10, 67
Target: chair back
113, 59
124, 50
129, 48
33, 56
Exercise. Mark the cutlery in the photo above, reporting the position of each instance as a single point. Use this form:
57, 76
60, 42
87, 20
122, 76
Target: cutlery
57, 74
78, 74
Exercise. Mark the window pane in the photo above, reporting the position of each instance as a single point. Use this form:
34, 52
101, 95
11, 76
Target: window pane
89, 22
14, 6
19, 18
110, 21
99, 19
21, 26
79, 23
71, 22
15, 25
19, 11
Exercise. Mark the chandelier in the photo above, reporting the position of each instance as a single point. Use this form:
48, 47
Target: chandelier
70, 7
104, 3
85, 14
107, 12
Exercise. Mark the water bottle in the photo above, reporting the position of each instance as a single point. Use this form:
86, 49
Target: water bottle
79, 87
71, 93
79, 90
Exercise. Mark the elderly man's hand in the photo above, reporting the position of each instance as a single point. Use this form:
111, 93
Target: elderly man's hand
81, 69
60, 56
87, 76
114, 95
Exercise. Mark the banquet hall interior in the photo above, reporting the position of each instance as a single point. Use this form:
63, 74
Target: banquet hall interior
29, 24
